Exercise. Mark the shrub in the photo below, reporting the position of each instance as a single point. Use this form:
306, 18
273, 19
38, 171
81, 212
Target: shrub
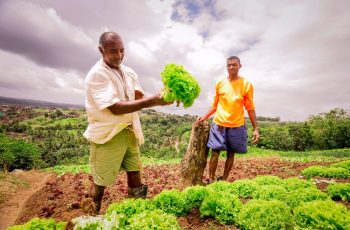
296, 197
296, 183
223, 206
130, 207
195, 195
244, 188
339, 191
150, 220
179, 85
269, 192
322, 215
262, 214
268, 180
323, 171
172, 202
36, 223
344, 164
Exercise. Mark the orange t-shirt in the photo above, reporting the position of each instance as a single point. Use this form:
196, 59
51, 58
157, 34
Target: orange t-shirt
229, 99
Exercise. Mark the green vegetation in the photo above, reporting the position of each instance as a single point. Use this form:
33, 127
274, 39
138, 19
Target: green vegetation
339, 191
179, 85
130, 207
322, 215
323, 171
36, 223
261, 214
172, 202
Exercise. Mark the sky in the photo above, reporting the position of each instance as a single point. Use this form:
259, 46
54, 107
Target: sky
296, 53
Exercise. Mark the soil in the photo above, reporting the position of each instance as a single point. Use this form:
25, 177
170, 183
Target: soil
60, 197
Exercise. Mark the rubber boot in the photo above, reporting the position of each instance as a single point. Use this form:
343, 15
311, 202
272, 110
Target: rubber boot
138, 192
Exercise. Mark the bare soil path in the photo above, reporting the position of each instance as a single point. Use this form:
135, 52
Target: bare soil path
17, 188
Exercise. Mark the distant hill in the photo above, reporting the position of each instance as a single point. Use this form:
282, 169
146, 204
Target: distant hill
36, 103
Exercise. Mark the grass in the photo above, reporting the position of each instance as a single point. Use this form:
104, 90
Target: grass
10, 183
317, 155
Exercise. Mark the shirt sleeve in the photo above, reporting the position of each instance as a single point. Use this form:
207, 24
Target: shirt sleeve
215, 102
102, 90
248, 99
137, 83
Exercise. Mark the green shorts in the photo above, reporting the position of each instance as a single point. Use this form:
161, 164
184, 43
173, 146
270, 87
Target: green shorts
122, 152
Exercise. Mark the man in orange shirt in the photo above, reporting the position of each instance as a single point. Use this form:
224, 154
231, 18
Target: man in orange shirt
228, 131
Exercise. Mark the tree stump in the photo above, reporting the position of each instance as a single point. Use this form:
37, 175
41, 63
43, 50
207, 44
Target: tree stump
194, 161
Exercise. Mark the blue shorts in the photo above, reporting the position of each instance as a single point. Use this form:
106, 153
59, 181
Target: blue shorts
233, 140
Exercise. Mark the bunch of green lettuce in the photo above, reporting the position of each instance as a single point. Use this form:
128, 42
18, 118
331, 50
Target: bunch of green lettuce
322, 215
268, 180
179, 85
295, 183
339, 191
195, 195
224, 206
172, 202
244, 188
296, 197
222, 186
269, 192
36, 223
343, 164
150, 220
324, 171
129, 207
262, 214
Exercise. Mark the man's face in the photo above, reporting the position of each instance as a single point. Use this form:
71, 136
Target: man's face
233, 66
113, 52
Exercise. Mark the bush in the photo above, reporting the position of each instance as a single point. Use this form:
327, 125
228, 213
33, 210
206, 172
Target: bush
130, 207
36, 223
172, 202
269, 192
150, 220
339, 191
261, 214
323, 171
195, 195
179, 85
244, 188
268, 180
322, 215
296, 197
222, 186
224, 206
296, 183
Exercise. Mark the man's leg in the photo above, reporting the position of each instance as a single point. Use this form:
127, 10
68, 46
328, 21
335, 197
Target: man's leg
228, 165
96, 193
213, 164
134, 179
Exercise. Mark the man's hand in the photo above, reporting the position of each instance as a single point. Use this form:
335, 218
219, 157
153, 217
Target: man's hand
256, 136
200, 120
159, 100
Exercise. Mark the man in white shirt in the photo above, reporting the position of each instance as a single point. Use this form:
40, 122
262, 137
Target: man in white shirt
113, 97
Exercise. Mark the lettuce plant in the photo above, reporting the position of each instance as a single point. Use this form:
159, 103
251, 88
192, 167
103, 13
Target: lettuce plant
322, 215
296, 197
172, 202
224, 206
244, 188
129, 207
268, 180
195, 195
296, 183
222, 186
339, 191
179, 85
323, 171
262, 214
269, 192
150, 220
36, 223
343, 164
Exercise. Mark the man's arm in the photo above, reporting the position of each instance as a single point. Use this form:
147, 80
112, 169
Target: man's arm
211, 111
122, 107
253, 120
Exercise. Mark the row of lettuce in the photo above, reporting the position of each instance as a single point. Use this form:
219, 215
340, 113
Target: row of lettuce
265, 202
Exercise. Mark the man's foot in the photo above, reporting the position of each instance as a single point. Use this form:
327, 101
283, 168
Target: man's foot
138, 192
219, 178
208, 181
89, 207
